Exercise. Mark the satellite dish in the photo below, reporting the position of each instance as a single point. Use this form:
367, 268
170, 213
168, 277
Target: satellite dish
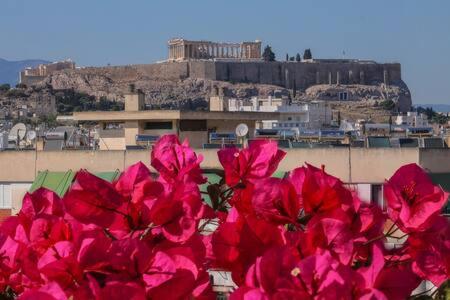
18, 132
31, 135
241, 130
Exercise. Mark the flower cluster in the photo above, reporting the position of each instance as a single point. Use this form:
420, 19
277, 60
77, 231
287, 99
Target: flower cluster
307, 236
304, 236
136, 238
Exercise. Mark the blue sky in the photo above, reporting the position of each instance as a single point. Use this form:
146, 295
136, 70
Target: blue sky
97, 32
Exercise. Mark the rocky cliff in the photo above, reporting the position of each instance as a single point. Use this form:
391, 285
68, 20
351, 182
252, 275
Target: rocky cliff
185, 92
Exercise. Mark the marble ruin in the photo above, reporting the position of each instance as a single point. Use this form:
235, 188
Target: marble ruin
181, 50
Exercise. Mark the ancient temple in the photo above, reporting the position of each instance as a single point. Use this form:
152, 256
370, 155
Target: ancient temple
181, 49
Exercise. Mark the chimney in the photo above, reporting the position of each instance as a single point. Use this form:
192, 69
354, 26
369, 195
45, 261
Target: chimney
134, 99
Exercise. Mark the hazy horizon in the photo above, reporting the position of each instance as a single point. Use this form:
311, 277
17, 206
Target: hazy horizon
97, 33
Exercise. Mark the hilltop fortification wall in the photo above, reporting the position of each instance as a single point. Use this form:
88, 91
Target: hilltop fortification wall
300, 75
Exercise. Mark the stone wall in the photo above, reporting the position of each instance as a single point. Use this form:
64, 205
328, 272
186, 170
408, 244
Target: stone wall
300, 75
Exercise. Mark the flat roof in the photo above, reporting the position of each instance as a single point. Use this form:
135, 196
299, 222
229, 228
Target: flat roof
172, 115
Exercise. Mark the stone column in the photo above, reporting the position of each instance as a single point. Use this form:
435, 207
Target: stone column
362, 79
338, 78
386, 77
317, 77
188, 51
330, 78
350, 77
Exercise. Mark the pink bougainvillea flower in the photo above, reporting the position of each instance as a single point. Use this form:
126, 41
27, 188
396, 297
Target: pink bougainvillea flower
130, 178
92, 200
412, 199
178, 213
170, 277
117, 290
59, 264
240, 240
259, 160
176, 161
280, 274
41, 201
330, 233
430, 251
320, 192
323, 277
273, 199
270, 277
368, 224
50, 291
129, 255
397, 282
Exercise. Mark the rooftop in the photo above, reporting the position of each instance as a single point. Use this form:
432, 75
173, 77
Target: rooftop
170, 115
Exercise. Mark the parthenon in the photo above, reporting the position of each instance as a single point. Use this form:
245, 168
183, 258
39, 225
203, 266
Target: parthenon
181, 49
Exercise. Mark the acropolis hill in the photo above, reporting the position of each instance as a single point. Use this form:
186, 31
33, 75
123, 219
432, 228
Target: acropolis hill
195, 70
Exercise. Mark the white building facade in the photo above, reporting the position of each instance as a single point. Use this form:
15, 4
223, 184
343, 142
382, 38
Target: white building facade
310, 115
412, 119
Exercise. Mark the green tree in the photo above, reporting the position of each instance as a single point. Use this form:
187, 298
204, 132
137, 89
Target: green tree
298, 57
5, 87
268, 54
292, 58
388, 104
307, 54
287, 56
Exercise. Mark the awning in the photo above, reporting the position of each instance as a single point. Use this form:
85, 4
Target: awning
59, 182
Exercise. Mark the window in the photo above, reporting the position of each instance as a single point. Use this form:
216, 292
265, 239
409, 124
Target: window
158, 125
343, 96
5, 196
377, 195
289, 118
193, 125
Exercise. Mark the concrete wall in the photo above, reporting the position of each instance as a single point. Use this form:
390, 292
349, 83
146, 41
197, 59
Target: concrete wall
435, 160
112, 143
94, 161
376, 165
351, 165
19, 166
196, 138
356, 165
336, 160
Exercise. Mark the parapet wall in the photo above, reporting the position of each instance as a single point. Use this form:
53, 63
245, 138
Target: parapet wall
357, 165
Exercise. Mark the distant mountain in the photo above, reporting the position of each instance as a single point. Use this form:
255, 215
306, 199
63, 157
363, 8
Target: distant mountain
436, 107
9, 70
